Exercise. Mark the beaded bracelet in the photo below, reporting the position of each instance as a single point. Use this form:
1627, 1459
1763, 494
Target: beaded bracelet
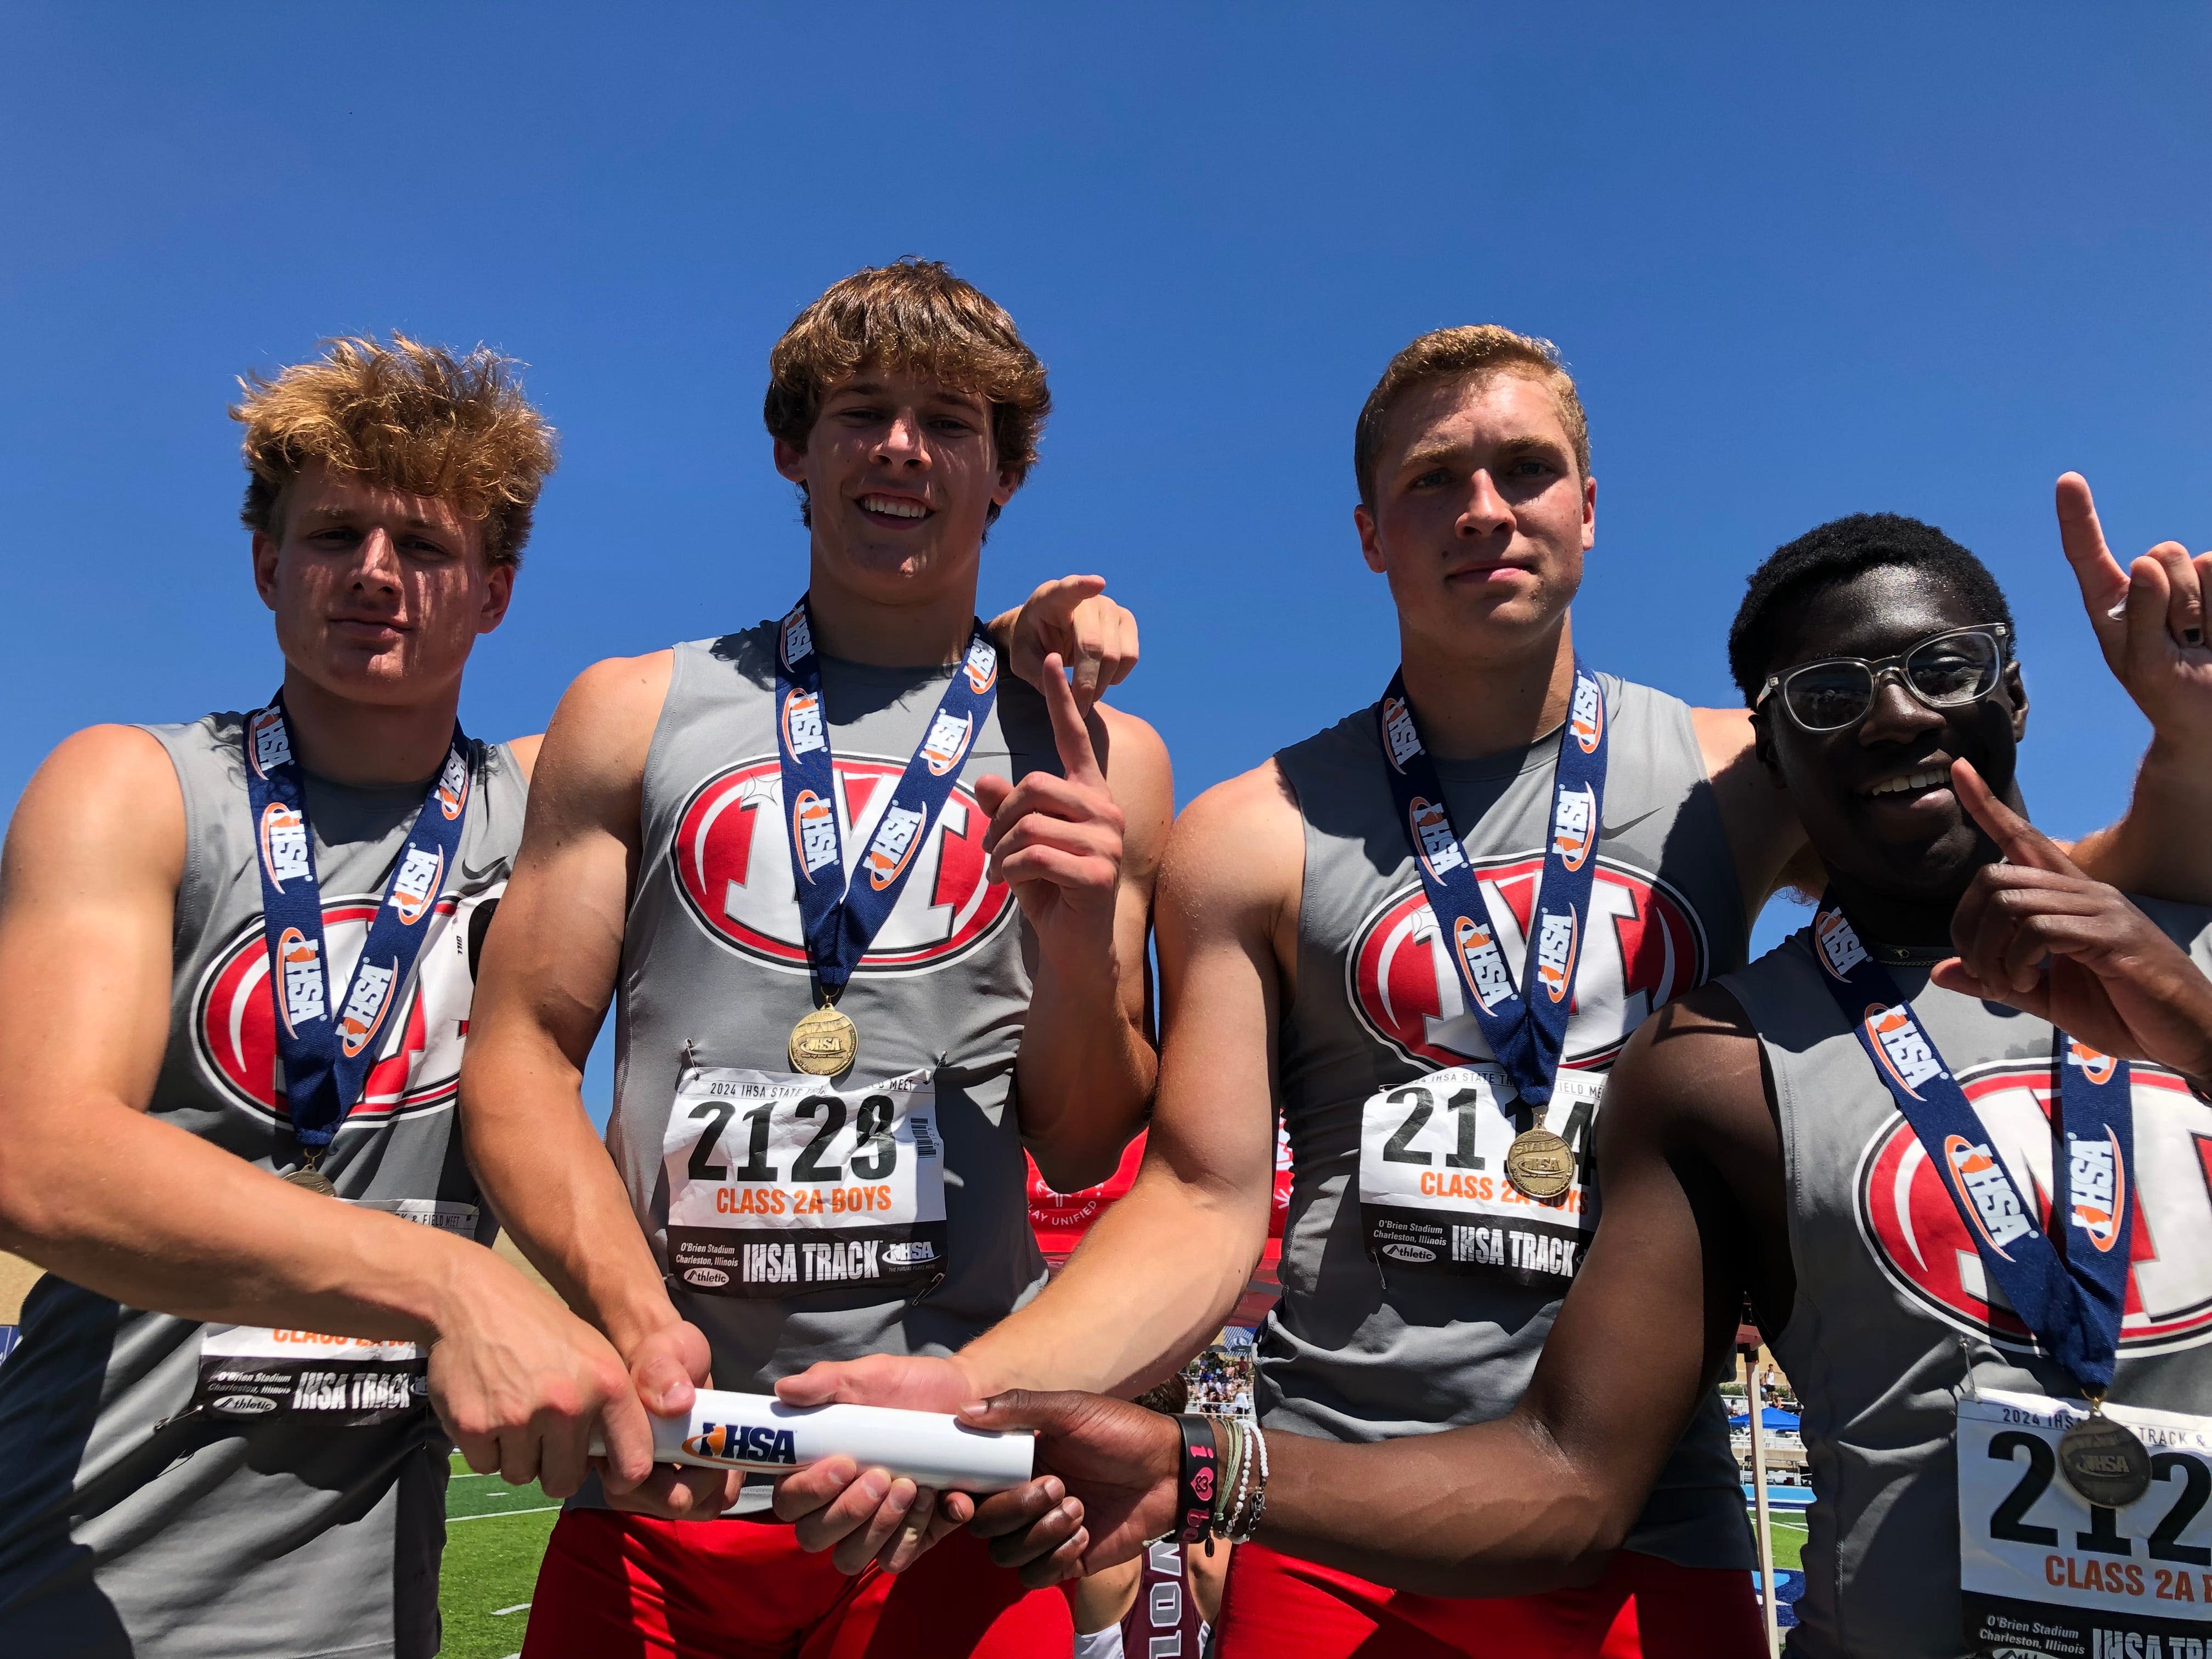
1243, 1497
1250, 1500
1251, 1519
1233, 1459
1227, 1499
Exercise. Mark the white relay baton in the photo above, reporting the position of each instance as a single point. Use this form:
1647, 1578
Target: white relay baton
759, 1431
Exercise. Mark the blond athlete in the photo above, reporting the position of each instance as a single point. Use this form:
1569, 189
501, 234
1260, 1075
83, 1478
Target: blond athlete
215, 1438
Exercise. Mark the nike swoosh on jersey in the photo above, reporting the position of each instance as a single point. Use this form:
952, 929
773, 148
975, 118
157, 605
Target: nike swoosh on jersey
1621, 827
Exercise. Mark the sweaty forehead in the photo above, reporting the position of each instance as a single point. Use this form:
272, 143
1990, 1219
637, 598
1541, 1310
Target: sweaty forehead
1877, 612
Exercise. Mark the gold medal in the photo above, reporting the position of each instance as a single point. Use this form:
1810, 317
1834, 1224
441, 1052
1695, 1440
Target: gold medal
1540, 1165
312, 1179
2105, 1462
823, 1043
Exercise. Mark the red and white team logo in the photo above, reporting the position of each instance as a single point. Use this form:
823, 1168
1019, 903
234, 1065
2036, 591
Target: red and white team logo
1912, 1225
733, 866
417, 1034
1641, 946
1060, 1219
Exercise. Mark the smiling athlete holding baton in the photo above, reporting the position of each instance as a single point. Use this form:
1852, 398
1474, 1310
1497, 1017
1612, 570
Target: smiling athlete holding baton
875, 913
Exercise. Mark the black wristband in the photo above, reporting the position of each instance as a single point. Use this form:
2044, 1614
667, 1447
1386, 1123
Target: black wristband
1201, 1474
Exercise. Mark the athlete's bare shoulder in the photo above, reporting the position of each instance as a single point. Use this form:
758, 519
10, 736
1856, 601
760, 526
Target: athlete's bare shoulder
609, 712
1140, 777
524, 751
622, 689
1691, 1091
106, 805
1694, 1066
89, 882
1235, 858
1125, 743
1724, 737
1765, 839
590, 768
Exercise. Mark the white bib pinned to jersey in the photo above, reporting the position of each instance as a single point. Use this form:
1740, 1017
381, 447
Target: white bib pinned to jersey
253, 1374
781, 1185
2042, 1570
1433, 1193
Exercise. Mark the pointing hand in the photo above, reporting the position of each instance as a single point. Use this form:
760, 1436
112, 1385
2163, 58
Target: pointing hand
1057, 840
2034, 933
1073, 618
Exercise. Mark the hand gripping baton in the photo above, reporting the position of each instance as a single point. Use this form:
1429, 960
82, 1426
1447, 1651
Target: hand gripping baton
759, 1431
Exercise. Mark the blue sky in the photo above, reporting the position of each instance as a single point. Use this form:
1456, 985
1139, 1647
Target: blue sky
1803, 262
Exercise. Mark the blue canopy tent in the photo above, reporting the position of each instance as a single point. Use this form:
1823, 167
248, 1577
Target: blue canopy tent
1772, 1416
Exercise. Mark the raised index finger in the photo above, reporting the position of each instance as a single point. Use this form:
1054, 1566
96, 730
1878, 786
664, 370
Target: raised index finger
2104, 584
1070, 735
2021, 841
1060, 596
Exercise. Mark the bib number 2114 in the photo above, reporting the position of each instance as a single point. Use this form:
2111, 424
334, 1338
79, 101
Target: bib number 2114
1435, 1192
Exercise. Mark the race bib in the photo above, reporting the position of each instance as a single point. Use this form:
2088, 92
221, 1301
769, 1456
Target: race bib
2043, 1572
254, 1374
779, 1185
1433, 1192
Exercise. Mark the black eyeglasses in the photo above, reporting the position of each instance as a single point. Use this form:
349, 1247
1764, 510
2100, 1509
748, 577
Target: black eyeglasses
1944, 671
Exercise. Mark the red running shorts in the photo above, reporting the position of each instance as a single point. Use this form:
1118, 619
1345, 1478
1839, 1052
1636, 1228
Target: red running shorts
615, 1586
1642, 1608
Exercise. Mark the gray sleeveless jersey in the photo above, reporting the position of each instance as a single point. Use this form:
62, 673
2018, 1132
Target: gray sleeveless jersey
1366, 1345
137, 1517
1888, 1285
713, 958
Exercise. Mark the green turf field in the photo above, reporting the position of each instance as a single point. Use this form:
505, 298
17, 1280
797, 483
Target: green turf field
494, 1533
1787, 1529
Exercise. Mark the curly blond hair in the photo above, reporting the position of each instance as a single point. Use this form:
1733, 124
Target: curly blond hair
913, 316
1480, 349
406, 416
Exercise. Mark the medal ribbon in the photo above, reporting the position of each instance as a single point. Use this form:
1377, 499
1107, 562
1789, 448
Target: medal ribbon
841, 917
1526, 1033
328, 1050
2071, 1294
